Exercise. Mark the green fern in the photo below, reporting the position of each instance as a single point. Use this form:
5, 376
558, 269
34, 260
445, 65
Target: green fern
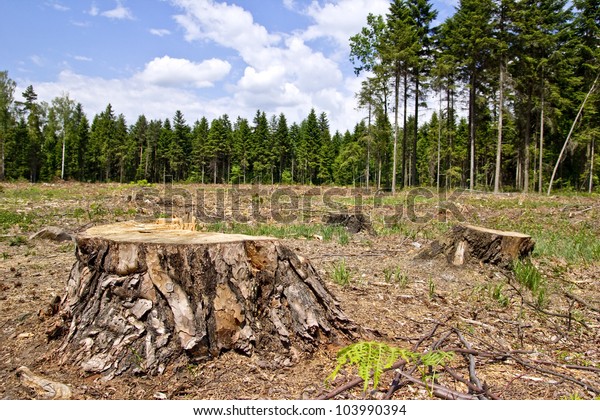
373, 358
436, 358
370, 357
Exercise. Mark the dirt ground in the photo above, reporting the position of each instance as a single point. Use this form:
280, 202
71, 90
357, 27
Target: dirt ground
520, 351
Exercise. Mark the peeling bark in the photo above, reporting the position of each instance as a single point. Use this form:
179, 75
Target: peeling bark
141, 297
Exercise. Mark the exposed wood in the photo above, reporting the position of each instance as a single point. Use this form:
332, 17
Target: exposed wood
467, 242
141, 297
52, 233
42, 387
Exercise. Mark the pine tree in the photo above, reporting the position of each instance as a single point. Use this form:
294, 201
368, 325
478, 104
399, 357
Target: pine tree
421, 17
326, 153
400, 54
281, 143
121, 149
586, 28
242, 135
163, 150
180, 147
33, 146
138, 148
469, 40
199, 142
313, 142
7, 120
261, 157
538, 56
80, 144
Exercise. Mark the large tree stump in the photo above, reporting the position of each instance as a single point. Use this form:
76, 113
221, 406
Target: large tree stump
142, 296
467, 242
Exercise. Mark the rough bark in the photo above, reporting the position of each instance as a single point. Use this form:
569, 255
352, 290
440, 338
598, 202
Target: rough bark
466, 242
354, 223
142, 297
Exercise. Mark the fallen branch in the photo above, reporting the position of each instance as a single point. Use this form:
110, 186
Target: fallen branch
574, 367
472, 375
438, 390
582, 302
557, 374
484, 390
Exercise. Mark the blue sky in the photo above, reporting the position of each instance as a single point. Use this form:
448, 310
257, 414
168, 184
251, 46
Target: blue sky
203, 57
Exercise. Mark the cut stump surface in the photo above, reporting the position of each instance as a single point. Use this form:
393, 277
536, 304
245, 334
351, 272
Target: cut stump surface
141, 297
467, 242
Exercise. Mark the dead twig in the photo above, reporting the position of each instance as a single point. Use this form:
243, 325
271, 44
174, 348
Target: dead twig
472, 374
438, 390
568, 316
569, 378
582, 302
574, 367
484, 390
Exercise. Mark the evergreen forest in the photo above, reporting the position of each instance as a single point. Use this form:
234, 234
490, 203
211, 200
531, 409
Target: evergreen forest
510, 89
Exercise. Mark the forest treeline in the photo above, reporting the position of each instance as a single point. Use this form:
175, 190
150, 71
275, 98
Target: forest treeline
504, 81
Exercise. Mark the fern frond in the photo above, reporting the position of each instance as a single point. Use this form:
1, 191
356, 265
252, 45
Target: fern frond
437, 358
370, 358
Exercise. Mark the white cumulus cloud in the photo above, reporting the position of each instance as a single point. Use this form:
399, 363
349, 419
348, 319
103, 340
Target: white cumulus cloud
160, 32
228, 25
339, 20
119, 12
167, 71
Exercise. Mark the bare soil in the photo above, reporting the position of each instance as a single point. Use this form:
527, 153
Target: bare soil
521, 351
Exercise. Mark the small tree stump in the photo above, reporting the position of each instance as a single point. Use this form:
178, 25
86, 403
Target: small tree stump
467, 242
141, 296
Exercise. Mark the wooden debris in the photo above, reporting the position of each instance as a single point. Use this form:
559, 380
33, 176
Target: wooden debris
142, 296
353, 223
467, 243
42, 387
52, 233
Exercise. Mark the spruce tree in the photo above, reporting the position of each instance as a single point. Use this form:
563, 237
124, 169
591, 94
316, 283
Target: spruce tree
7, 120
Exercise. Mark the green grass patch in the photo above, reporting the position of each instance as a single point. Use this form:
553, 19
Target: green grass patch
560, 238
294, 231
530, 277
9, 219
17, 241
341, 274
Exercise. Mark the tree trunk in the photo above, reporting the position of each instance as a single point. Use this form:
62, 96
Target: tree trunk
499, 145
472, 131
395, 151
541, 157
439, 142
404, 134
591, 183
143, 297
62, 160
562, 151
368, 172
2, 166
413, 170
467, 242
526, 142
